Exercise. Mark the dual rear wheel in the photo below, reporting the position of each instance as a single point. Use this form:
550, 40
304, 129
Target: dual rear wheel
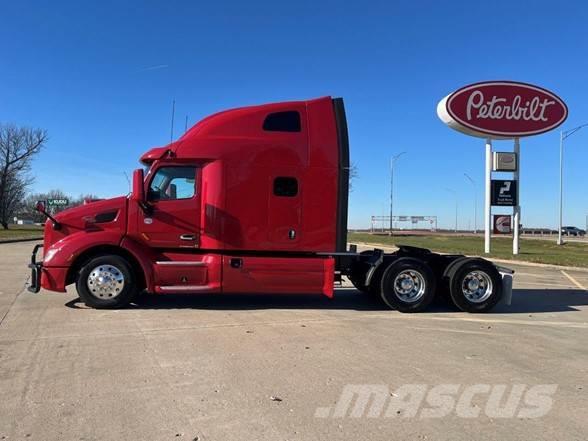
410, 285
475, 286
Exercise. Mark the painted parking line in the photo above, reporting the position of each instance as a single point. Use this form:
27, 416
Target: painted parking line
539, 274
574, 281
549, 323
470, 318
530, 285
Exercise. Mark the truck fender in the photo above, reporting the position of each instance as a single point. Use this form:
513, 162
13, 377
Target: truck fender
375, 261
65, 251
143, 256
454, 266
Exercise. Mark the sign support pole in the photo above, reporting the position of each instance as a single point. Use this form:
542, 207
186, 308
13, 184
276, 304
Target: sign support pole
487, 202
516, 208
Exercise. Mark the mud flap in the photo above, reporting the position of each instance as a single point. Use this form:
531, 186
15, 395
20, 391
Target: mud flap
329, 277
507, 280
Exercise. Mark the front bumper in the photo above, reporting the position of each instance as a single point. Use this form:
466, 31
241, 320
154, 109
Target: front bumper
36, 271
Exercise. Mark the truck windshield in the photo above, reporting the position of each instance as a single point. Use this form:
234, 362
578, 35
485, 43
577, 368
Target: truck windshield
170, 183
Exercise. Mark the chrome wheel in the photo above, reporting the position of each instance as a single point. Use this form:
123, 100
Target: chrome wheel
409, 286
105, 282
477, 286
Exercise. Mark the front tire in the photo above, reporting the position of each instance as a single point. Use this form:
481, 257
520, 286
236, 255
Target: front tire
107, 282
476, 286
408, 285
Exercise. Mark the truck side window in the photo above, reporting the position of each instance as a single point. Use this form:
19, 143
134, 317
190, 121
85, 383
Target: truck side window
288, 121
170, 183
286, 186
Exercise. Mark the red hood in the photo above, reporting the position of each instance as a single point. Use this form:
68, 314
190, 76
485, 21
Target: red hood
73, 215
106, 214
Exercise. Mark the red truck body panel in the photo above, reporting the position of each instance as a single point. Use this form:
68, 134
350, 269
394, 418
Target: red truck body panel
277, 275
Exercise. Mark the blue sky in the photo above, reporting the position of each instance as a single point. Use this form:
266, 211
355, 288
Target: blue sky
101, 76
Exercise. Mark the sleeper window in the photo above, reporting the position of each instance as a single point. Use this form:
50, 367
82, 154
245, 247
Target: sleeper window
286, 186
282, 122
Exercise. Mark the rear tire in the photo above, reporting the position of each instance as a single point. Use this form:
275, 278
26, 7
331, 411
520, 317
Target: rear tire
408, 285
107, 282
476, 286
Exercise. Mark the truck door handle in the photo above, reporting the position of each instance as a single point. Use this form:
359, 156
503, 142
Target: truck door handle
236, 262
187, 236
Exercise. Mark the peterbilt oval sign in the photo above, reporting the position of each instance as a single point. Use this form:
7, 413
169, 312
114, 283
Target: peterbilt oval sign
502, 110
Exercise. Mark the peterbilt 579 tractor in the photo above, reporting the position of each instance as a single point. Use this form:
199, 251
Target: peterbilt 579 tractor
249, 200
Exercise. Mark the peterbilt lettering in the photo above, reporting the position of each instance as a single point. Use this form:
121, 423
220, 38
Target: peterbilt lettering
496, 108
502, 110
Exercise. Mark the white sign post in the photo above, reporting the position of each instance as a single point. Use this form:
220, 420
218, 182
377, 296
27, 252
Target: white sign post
517, 208
487, 202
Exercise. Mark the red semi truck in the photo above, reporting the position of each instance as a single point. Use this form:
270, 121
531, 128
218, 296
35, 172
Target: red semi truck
249, 200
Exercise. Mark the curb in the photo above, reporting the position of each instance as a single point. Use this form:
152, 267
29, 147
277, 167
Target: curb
30, 239
505, 261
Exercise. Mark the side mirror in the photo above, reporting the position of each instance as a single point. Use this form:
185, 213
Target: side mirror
173, 191
40, 207
138, 193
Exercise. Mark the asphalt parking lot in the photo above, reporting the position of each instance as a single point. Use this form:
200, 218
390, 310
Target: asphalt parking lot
258, 367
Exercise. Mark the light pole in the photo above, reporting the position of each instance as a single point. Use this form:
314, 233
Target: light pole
562, 136
455, 194
393, 159
475, 202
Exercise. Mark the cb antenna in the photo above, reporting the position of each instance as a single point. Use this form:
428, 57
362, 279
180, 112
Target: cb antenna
128, 180
171, 138
186, 125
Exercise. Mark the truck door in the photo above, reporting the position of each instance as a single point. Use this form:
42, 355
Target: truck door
173, 195
285, 211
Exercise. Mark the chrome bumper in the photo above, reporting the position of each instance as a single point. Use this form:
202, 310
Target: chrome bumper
36, 268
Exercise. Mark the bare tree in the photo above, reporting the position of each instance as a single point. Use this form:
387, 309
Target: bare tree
82, 199
15, 191
18, 145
